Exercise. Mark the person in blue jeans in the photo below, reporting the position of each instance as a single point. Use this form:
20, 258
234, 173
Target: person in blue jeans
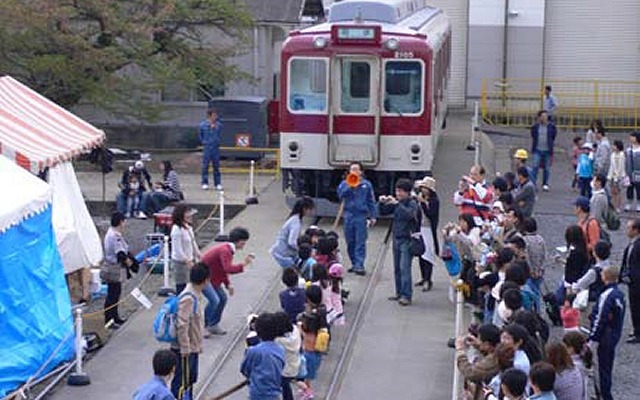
543, 136
406, 220
359, 211
209, 133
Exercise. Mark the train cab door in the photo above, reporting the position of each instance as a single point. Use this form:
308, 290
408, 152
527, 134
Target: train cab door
354, 115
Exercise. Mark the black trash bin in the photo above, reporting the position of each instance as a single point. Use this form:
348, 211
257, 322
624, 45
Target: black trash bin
245, 124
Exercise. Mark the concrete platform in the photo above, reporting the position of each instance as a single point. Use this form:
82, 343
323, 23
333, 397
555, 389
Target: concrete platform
125, 362
399, 352
236, 187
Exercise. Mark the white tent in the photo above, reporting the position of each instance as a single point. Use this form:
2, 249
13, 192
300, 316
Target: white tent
37, 133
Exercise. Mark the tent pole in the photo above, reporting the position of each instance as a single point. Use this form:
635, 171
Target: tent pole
104, 196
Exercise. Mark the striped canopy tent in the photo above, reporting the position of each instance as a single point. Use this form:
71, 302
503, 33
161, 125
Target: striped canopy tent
37, 133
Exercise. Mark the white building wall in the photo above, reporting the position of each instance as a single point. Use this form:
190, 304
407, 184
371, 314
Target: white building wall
457, 11
592, 39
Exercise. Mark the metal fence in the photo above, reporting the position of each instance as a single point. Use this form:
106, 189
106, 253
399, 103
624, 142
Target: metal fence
515, 102
268, 162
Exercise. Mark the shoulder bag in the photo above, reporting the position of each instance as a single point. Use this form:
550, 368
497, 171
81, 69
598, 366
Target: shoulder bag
417, 244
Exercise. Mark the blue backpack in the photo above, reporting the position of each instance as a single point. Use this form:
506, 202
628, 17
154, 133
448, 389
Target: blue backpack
165, 323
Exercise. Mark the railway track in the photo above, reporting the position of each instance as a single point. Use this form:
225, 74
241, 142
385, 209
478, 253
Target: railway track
226, 375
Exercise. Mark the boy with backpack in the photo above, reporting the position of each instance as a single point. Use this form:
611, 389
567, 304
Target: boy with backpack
584, 170
305, 261
189, 324
315, 337
293, 298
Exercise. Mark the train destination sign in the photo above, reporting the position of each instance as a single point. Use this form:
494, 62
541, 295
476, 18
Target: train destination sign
357, 33
353, 34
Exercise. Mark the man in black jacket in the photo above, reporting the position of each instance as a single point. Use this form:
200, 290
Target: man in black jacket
631, 275
406, 220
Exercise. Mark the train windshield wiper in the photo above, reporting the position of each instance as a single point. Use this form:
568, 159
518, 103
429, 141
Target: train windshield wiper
395, 109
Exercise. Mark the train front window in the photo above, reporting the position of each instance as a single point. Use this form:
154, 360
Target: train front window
355, 86
403, 87
308, 85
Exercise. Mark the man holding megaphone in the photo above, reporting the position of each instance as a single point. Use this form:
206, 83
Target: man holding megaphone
360, 211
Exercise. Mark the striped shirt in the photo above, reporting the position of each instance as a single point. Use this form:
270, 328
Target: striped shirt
172, 186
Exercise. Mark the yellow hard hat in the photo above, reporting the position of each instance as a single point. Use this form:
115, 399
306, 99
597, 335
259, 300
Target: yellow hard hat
521, 154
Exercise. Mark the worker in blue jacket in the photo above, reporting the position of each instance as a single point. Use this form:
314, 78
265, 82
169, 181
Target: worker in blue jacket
607, 319
360, 211
209, 133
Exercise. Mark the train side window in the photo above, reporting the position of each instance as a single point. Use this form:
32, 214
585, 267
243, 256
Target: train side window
355, 86
403, 87
307, 85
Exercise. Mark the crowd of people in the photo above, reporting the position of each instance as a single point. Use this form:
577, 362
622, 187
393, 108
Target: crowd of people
495, 248
139, 197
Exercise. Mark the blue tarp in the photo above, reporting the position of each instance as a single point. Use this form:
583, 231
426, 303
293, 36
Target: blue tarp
35, 310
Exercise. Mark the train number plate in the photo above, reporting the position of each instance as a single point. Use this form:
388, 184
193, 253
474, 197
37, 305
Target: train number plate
403, 54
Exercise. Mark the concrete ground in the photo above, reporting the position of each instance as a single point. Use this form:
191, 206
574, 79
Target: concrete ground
125, 362
236, 187
399, 352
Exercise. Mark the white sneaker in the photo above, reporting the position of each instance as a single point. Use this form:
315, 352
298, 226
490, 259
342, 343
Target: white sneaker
142, 215
216, 330
205, 186
638, 207
545, 188
627, 207
219, 188
127, 215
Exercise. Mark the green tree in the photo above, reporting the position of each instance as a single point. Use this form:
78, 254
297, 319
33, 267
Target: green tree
70, 50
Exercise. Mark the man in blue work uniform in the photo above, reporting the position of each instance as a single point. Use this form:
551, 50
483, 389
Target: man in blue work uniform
359, 206
607, 319
210, 134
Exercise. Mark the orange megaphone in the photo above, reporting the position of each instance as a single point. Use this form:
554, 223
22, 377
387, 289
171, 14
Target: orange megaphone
353, 180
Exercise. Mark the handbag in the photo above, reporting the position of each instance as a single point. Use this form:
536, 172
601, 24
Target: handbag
582, 300
635, 175
417, 244
451, 258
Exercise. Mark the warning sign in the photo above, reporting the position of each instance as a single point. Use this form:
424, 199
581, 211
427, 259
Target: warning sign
243, 140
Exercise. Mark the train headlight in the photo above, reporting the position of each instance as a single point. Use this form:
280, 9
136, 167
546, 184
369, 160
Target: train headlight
320, 42
294, 150
392, 44
416, 151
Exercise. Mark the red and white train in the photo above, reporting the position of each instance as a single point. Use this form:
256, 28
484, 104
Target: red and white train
368, 85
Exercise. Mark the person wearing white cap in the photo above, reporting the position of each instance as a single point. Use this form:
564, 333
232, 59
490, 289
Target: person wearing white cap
142, 176
430, 205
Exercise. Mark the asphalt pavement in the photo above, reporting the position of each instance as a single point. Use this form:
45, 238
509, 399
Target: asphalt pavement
399, 352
